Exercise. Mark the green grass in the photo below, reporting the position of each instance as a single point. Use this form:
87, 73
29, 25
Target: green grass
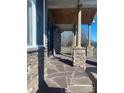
66, 50
95, 52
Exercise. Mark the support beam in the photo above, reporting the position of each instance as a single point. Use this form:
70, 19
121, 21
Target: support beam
79, 56
79, 29
89, 28
89, 47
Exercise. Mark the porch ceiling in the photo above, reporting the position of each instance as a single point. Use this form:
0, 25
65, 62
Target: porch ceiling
69, 15
65, 27
53, 4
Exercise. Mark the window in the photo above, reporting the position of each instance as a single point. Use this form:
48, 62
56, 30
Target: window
29, 23
35, 23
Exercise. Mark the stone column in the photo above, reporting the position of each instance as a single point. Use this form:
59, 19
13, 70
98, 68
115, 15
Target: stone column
89, 44
79, 54
79, 57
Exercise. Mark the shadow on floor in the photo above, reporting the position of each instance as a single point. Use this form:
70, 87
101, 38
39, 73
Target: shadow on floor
66, 54
45, 89
91, 69
66, 61
92, 77
91, 62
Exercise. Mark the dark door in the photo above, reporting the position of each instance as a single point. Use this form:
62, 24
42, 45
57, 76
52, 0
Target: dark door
50, 38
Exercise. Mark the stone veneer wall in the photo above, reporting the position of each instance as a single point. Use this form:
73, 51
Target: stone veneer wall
79, 57
35, 69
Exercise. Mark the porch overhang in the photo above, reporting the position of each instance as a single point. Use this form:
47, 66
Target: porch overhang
55, 4
65, 27
69, 15
65, 11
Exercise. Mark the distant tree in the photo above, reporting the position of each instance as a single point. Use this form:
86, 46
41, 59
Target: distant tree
67, 41
94, 43
83, 39
70, 40
63, 41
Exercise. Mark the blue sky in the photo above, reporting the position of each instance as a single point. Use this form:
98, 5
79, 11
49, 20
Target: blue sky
93, 31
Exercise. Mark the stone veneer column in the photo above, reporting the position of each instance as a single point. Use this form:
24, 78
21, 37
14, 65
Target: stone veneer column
79, 55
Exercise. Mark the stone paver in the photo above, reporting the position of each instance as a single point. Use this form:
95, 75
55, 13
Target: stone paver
60, 67
62, 77
80, 81
79, 73
61, 80
81, 89
51, 70
51, 83
67, 73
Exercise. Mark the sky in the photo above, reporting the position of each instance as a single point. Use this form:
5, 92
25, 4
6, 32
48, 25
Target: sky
93, 32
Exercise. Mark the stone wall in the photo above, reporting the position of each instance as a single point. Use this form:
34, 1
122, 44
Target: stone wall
79, 57
35, 69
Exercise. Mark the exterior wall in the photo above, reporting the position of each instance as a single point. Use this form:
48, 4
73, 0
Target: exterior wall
56, 35
35, 69
57, 40
37, 57
32, 72
50, 29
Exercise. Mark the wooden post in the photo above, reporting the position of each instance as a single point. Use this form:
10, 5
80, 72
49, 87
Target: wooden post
89, 43
79, 29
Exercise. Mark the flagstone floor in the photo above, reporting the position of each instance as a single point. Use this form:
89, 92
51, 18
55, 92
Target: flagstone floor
62, 77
